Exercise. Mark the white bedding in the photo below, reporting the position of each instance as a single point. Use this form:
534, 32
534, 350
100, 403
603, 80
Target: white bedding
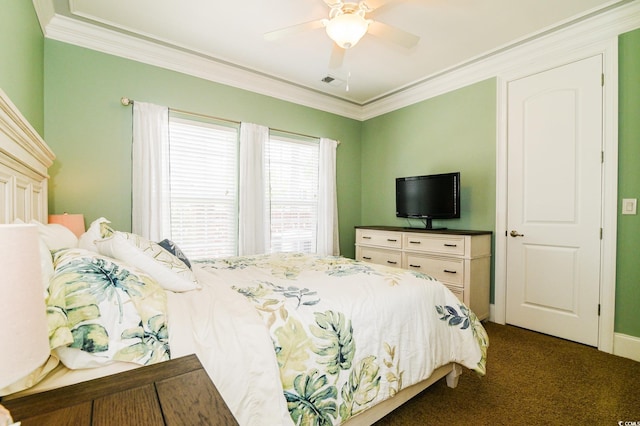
390, 329
404, 326
230, 340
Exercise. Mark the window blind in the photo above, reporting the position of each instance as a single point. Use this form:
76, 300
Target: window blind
293, 193
203, 159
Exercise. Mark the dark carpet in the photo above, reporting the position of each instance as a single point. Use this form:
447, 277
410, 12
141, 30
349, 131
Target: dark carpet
532, 379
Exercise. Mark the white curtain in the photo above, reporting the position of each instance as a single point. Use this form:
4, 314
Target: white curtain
253, 217
328, 243
150, 171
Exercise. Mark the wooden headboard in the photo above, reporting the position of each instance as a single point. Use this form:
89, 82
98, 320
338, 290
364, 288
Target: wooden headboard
24, 160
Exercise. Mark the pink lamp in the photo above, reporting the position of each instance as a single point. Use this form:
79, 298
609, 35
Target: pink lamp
75, 222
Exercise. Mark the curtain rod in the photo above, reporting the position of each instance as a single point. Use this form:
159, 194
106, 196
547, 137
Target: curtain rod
128, 101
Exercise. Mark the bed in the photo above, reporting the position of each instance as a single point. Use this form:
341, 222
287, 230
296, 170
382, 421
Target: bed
287, 338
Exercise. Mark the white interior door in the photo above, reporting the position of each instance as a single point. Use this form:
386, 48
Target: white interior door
554, 201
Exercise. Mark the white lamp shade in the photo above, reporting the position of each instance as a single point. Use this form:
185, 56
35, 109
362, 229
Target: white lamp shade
347, 29
24, 341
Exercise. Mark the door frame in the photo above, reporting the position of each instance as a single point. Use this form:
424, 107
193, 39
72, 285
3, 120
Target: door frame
547, 60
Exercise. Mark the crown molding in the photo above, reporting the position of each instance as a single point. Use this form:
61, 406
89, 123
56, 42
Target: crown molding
104, 40
45, 12
553, 41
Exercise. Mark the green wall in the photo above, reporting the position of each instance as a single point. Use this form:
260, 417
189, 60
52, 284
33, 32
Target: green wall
452, 132
21, 60
448, 133
90, 131
628, 268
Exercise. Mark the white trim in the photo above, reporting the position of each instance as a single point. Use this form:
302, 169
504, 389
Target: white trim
104, 40
626, 346
24, 160
492, 314
609, 199
500, 247
45, 12
548, 60
602, 26
20, 144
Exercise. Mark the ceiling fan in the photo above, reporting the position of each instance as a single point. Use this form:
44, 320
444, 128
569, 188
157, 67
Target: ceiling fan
347, 23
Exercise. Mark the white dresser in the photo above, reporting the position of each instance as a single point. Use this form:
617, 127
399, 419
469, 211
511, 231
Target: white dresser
459, 259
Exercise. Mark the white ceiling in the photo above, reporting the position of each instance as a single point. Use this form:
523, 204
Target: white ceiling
452, 33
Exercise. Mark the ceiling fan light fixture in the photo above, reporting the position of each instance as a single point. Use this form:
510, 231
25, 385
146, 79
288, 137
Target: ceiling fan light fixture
347, 29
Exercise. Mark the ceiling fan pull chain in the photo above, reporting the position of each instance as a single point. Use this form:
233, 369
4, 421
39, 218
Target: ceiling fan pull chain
348, 77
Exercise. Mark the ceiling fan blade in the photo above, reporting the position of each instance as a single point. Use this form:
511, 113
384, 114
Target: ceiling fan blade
337, 57
393, 34
333, 3
372, 5
287, 31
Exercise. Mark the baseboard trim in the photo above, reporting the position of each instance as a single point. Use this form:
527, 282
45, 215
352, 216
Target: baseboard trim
623, 345
626, 346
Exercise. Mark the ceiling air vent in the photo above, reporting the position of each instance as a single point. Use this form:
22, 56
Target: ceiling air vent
329, 79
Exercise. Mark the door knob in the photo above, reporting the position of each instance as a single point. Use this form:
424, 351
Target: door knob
515, 233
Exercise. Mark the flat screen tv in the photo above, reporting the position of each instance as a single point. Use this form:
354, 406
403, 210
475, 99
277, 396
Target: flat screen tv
428, 197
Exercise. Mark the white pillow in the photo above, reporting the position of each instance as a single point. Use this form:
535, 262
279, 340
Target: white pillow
88, 240
168, 270
56, 236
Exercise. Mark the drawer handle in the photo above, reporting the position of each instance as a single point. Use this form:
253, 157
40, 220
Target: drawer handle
391, 262
414, 242
415, 266
451, 245
450, 272
366, 258
391, 240
364, 237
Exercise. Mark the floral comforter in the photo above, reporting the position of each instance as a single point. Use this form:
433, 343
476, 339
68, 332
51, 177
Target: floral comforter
329, 337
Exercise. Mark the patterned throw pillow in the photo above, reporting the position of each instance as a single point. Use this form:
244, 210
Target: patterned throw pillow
172, 273
173, 248
100, 310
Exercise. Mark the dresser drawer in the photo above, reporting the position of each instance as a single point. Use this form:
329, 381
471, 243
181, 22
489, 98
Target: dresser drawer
448, 270
461, 260
379, 238
442, 244
379, 256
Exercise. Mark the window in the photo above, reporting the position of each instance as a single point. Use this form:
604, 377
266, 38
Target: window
203, 194
293, 191
203, 161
